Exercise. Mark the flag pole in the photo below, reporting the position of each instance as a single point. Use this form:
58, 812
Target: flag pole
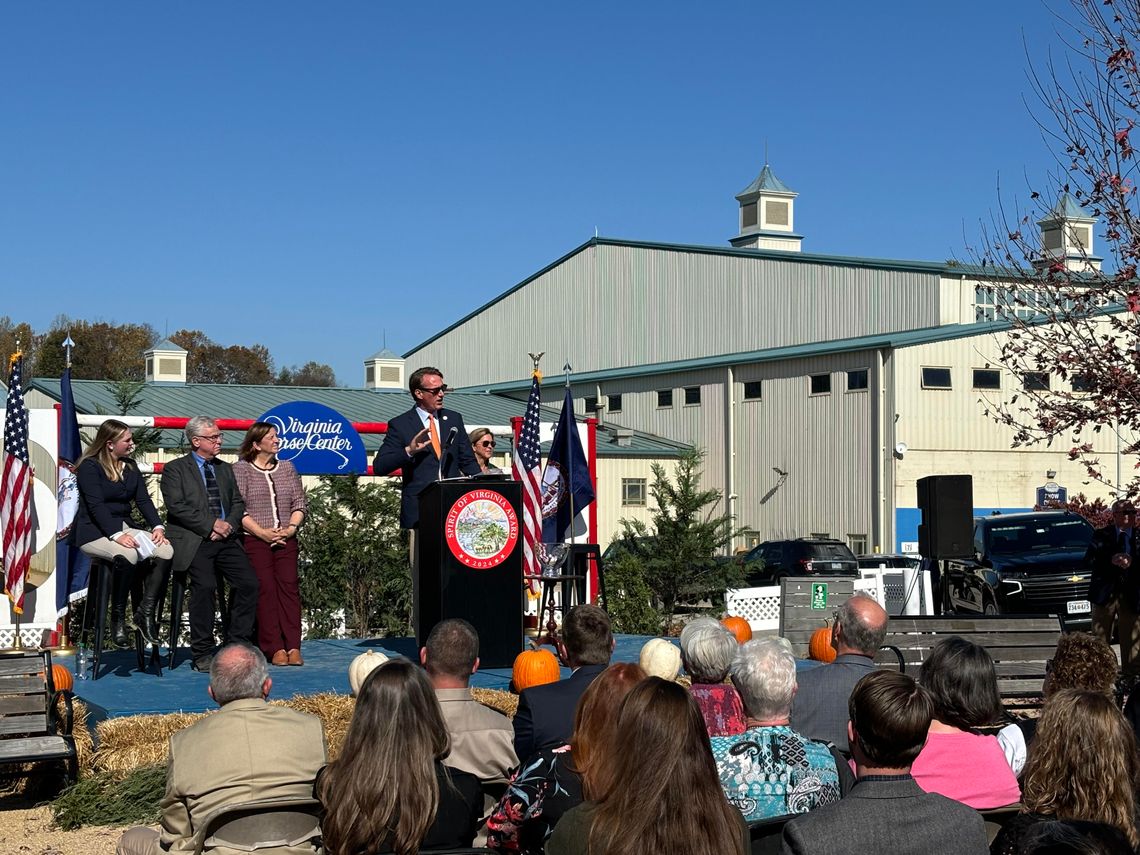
566, 369
63, 643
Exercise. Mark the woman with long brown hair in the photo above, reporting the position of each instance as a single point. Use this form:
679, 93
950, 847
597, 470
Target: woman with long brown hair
275, 507
550, 782
388, 790
1083, 765
658, 793
109, 483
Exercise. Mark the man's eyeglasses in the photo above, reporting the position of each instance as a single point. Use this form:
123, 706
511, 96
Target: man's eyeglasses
434, 390
210, 437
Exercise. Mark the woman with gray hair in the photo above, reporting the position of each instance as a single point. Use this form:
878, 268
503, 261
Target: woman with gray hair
770, 770
707, 649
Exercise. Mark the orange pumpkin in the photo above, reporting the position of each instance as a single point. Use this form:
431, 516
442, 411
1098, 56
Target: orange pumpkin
739, 627
534, 668
61, 678
819, 648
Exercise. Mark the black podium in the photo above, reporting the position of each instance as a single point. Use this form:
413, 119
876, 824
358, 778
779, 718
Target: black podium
470, 564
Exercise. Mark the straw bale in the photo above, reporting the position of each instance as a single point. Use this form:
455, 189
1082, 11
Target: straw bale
138, 740
497, 699
84, 744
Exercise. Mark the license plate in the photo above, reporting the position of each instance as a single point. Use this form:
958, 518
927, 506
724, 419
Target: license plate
1079, 607
835, 565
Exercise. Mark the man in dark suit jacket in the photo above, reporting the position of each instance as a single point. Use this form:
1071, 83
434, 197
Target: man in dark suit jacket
203, 520
886, 811
545, 714
423, 442
819, 710
1114, 589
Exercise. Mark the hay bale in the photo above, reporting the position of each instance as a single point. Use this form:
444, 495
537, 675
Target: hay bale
84, 744
497, 699
138, 740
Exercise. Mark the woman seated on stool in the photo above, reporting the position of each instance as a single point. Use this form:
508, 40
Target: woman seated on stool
274, 508
388, 791
109, 482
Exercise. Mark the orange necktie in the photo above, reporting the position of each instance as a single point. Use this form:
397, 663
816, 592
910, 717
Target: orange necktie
434, 437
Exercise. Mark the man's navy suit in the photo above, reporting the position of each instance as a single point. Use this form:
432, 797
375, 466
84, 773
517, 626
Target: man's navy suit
545, 714
422, 468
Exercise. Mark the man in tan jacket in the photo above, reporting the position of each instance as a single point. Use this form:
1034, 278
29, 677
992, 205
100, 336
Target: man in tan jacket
245, 751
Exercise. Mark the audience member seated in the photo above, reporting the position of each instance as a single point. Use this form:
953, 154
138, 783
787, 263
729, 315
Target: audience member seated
819, 710
1083, 765
389, 791
248, 750
545, 714
707, 649
481, 738
659, 793
957, 761
770, 770
1075, 838
886, 811
1081, 661
553, 780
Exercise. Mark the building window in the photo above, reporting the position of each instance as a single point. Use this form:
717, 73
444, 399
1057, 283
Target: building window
664, 397
613, 403
857, 380
820, 384
633, 492
591, 404
987, 378
1083, 383
692, 395
1035, 381
751, 538
753, 390
936, 378
858, 543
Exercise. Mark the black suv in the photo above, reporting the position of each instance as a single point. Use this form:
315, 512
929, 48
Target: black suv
1029, 563
805, 556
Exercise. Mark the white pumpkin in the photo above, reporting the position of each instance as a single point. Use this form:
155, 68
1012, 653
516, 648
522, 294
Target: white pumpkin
362, 666
661, 658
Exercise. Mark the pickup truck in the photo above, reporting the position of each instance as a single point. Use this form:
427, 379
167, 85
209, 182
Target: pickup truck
1026, 563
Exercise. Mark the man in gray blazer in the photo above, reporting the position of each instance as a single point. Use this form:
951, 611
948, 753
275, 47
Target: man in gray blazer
886, 811
203, 523
819, 710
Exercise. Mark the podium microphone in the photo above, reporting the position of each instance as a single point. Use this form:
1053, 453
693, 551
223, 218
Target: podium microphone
445, 450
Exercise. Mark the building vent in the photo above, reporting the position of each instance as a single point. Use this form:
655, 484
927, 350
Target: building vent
775, 213
389, 374
169, 366
748, 215
623, 437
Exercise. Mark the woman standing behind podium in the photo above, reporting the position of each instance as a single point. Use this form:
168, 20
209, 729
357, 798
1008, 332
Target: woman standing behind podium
483, 444
109, 483
275, 507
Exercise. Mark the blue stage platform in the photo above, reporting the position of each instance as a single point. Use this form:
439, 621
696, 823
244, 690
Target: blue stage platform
123, 690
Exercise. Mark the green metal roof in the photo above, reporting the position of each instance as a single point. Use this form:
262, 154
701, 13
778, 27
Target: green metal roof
385, 353
94, 397
1066, 209
905, 338
766, 180
167, 344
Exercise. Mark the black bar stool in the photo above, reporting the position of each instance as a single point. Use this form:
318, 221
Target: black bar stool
95, 613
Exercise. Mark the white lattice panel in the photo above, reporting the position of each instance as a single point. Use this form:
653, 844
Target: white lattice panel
759, 606
31, 636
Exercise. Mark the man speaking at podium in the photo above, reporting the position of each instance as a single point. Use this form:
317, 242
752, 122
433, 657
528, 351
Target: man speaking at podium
424, 441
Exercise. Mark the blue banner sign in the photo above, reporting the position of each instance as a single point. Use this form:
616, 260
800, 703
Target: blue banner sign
317, 439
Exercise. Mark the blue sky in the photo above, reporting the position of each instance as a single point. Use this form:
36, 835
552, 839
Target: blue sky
317, 177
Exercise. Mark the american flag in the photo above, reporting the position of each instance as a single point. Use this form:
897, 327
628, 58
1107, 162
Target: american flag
16, 490
526, 466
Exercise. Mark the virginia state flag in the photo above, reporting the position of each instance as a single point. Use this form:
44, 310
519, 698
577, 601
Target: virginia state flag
72, 567
567, 489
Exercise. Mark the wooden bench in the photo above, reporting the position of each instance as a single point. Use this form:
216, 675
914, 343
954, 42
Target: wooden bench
31, 729
1020, 647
